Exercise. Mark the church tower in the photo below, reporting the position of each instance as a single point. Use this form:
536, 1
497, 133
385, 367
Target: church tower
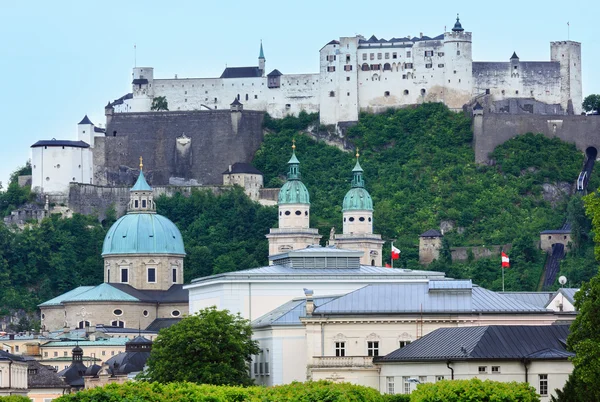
357, 213
294, 232
261, 60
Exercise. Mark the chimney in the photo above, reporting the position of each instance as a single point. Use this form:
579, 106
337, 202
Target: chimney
310, 304
229, 168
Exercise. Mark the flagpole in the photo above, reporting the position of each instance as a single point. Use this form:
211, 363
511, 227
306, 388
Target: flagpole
502, 268
392, 259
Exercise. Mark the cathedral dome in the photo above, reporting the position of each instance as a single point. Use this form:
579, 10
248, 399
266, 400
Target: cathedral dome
357, 199
143, 233
293, 192
142, 230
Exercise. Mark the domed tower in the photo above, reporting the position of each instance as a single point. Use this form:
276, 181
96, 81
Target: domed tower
143, 249
294, 214
357, 211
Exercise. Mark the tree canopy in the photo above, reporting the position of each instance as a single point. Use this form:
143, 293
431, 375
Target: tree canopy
210, 347
591, 103
159, 103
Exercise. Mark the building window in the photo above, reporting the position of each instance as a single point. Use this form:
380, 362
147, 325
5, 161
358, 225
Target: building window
378, 56
458, 52
495, 369
118, 312
55, 354
365, 67
347, 78
408, 65
422, 379
406, 92
387, 55
340, 349
482, 369
83, 324
403, 344
331, 57
144, 204
330, 69
124, 275
136, 204
394, 55
151, 275
175, 313
428, 65
386, 94
45, 354
373, 348
439, 378
406, 382
372, 56
145, 313
428, 53
364, 56
543, 384
104, 353
408, 54
390, 385
331, 94
118, 323
440, 66
348, 67
441, 54
174, 270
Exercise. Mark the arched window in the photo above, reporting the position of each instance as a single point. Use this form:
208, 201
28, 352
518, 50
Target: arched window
386, 93
83, 324
387, 67
118, 323
365, 67
406, 92
246, 96
423, 91
372, 263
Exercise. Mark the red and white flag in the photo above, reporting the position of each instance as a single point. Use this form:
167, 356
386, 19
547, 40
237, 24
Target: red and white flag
505, 260
395, 253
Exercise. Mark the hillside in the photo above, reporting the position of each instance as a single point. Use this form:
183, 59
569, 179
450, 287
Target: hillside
419, 170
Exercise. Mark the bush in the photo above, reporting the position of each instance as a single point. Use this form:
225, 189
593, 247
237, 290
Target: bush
474, 390
294, 392
396, 398
14, 398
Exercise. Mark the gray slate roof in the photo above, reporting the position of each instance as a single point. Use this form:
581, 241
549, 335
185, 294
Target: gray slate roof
240, 167
431, 233
42, 376
288, 313
85, 120
539, 299
241, 72
427, 297
160, 323
494, 342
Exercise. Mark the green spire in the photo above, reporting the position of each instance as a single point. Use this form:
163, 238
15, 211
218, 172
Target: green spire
262, 54
357, 179
294, 164
141, 184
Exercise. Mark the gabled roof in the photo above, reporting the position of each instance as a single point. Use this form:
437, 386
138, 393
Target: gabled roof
274, 73
241, 72
235, 102
568, 293
60, 143
333, 42
85, 120
160, 323
431, 233
477, 106
241, 168
288, 313
434, 296
535, 342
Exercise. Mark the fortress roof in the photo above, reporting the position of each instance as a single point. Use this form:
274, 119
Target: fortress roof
274, 73
85, 120
241, 168
373, 39
241, 72
60, 143
431, 233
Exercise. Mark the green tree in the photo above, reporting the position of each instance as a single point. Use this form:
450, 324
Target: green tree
159, 103
210, 347
584, 340
591, 103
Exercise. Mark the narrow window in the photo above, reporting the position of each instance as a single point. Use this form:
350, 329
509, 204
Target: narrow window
174, 270
543, 378
136, 204
143, 203
390, 385
364, 57
340, 349
108, 275
124, 275
406, 382
404, 343
151, 275
373, 348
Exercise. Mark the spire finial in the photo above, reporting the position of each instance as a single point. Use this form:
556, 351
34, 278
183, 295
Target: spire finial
357, 154
294, 144
457, 17
141, 163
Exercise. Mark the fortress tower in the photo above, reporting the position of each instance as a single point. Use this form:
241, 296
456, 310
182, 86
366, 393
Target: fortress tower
294, 232
358, 221
261, 60
458, 67
142, 89
568, 54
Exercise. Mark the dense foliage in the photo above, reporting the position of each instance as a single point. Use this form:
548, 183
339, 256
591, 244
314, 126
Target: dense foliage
210, 347
14, 398
419, 168
15, 195
474, 390
175, 392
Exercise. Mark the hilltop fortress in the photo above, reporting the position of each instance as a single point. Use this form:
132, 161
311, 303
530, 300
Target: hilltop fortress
358, 74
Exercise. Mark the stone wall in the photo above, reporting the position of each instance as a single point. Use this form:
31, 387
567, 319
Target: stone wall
185, 148
89, 199
491, 130
462, 253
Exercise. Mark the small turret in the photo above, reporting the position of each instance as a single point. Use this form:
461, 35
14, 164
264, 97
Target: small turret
85, 131
357, 208
457, 25
141, 197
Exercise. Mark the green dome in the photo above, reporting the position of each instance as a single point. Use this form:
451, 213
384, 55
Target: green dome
143, 233
293, 192
357, 199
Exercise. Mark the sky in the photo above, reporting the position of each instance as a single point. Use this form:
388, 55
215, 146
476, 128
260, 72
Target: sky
61, 60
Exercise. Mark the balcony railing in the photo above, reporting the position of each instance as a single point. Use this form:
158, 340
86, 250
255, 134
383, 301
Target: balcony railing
342, 361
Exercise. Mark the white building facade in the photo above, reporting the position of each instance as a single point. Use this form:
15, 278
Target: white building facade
358, 74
